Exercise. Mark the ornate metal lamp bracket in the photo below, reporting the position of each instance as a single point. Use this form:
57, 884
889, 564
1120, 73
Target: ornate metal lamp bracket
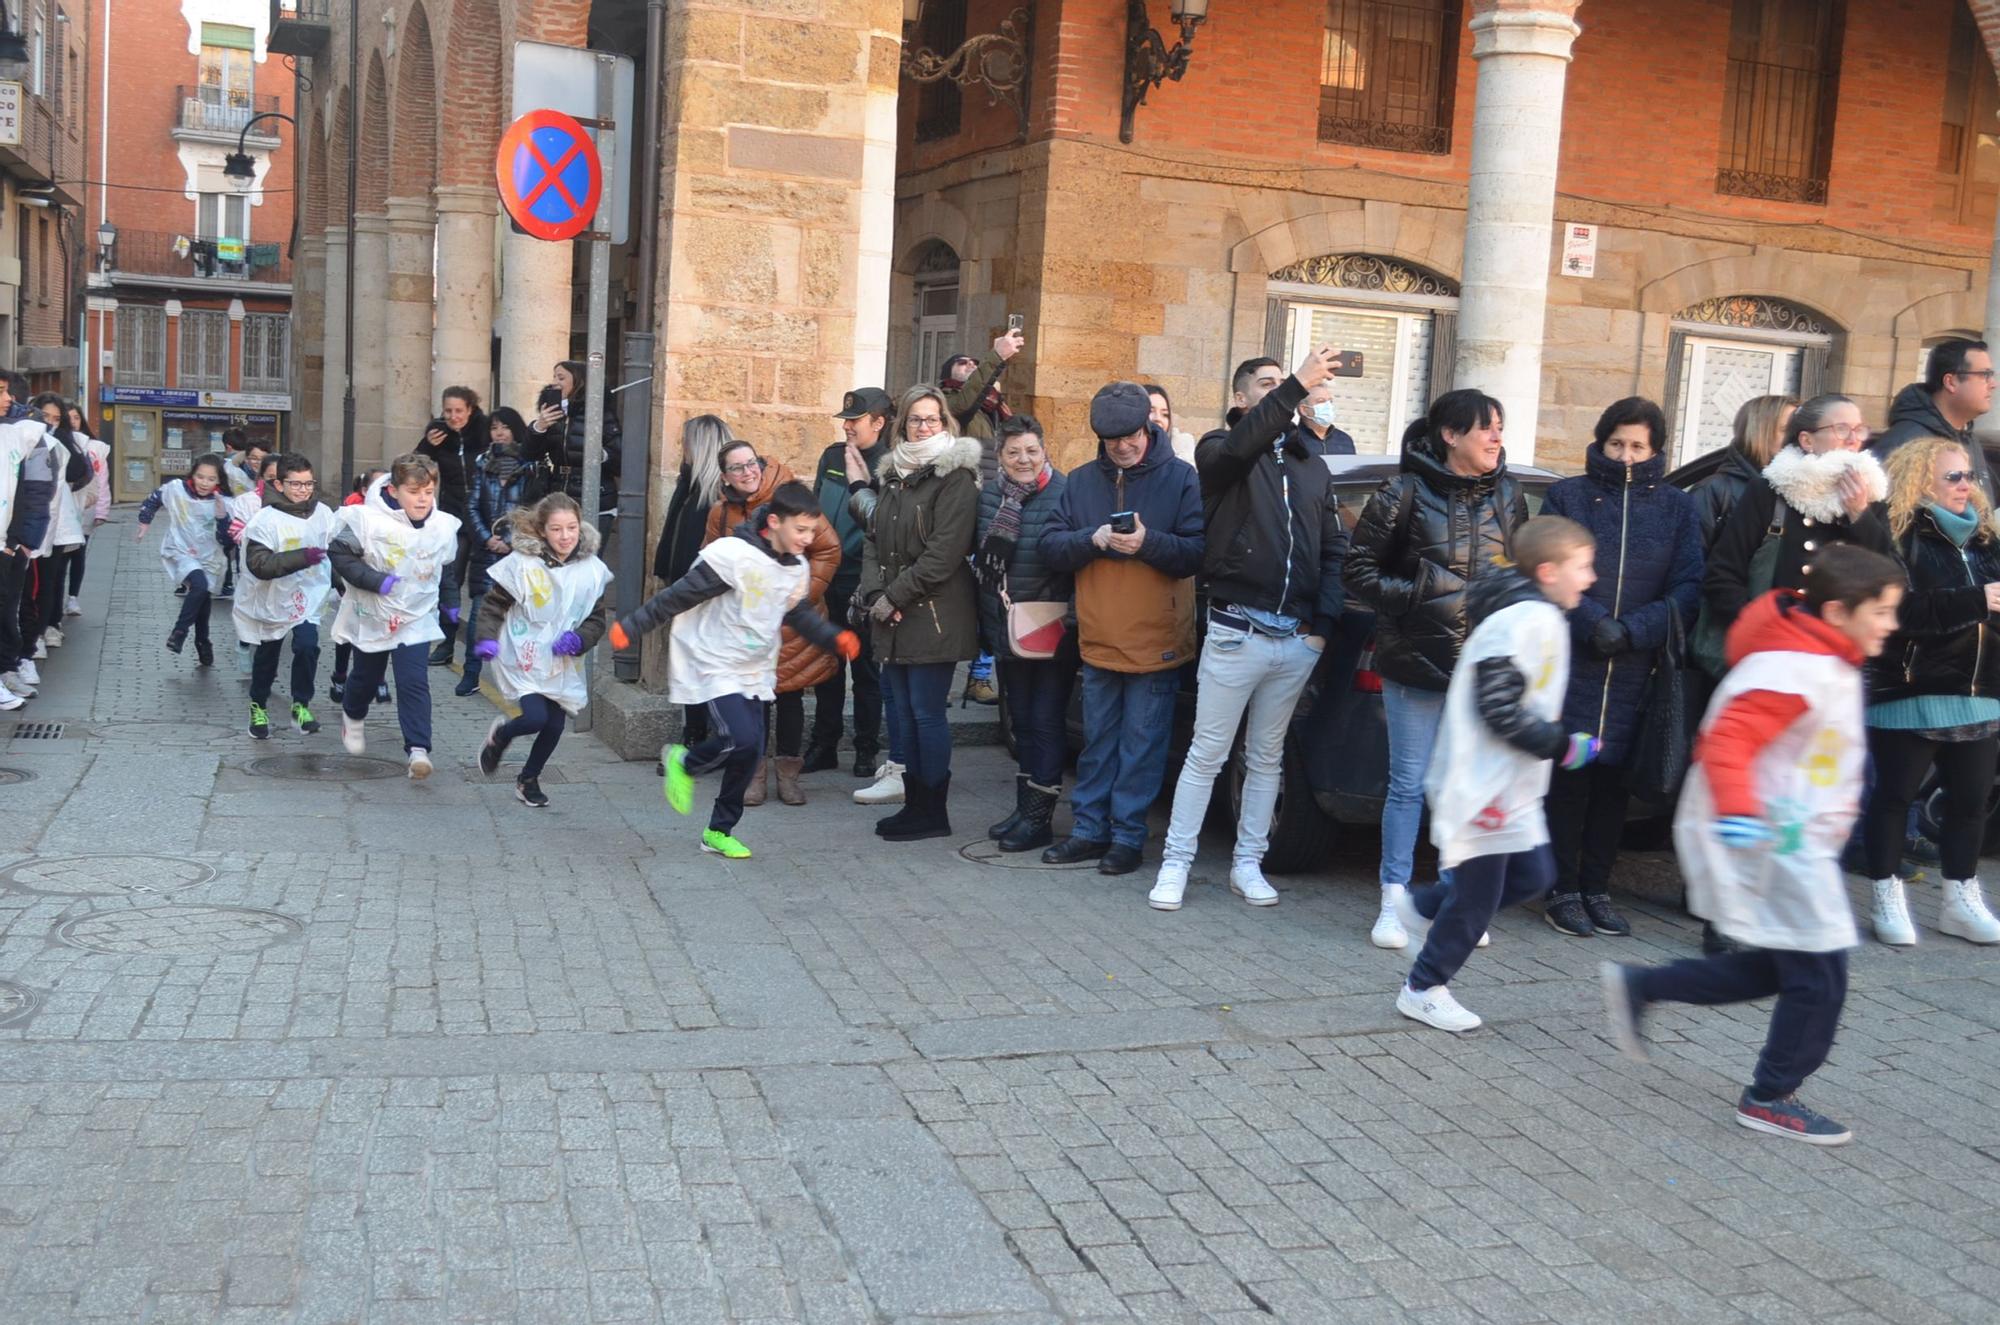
1148, 61
996, 61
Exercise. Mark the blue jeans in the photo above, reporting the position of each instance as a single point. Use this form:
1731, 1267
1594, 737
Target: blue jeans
413, 689
914, 698
305, 665
1127, 720
544, 719
1037, 694
1414, 717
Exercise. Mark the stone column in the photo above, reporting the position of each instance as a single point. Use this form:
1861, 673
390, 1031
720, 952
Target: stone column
308, 366
461, 345
406, 344
534, 317
333, 351
1523, 49
370, 256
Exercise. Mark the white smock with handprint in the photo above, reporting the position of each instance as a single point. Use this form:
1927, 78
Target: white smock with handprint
1788, 893
407, 614
189, 543
266, 610
729, 645
548, 600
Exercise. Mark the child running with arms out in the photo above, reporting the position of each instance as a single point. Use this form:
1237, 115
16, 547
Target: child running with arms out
191, 549
1769, 802
1501, 728
726, 614
544, 608
284, 544
390, 550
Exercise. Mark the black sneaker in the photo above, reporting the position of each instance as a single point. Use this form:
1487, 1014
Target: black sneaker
382, 693
260, 722
528, 791
303, 719
468, 684
337, 691
490, 752
1566, 915
866, 764
1604, 917
176, 640
1788, 1118
1715, 944
204, 653
820, 758
441, 654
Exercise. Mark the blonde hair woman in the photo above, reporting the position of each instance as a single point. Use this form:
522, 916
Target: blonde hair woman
1932, 693
1758, 432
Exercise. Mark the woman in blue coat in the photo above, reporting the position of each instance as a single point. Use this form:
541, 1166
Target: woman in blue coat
1649, 562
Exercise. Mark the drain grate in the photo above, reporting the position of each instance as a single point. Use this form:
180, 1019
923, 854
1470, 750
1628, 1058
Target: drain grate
37, 731
323, 767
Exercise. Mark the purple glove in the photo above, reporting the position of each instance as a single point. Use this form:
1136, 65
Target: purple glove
388, 584
568, 645
451, 616
315, 555
489, 649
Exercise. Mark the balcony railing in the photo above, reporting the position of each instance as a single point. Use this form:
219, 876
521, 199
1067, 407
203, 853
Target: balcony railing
1777, 132
1386, 75
211, 110
300, 27
162, 253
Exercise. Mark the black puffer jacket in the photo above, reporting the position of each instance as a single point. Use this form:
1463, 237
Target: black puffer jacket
1716, 496
562, 447
1946, 642
1030, 578
1500, 685
1419, 539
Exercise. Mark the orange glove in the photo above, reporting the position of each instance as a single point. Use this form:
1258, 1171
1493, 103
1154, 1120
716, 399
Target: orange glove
848, 645
619, 639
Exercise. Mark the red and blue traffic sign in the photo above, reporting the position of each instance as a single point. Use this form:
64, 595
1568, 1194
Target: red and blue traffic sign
549, 175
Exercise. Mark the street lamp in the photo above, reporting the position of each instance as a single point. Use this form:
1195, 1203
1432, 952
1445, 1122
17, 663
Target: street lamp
107, 235
1148, 61
237, 166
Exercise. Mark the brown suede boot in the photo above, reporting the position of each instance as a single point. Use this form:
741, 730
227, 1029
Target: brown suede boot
789, 769
759, 786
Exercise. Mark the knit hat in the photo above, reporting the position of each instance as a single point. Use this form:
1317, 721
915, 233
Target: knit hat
1119, 409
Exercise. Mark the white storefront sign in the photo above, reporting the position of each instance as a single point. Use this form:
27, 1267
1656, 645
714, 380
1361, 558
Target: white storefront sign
10, 114
1580, 251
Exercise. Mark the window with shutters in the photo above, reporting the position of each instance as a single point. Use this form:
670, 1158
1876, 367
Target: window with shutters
226, 80
1968, 155
266, 352
204, 358
1779, 93
141, 352
1387, 72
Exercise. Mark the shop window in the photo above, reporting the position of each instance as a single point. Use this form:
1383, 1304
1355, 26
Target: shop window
204, 358
266, 352
1779, 93
1387, 73
936, 311
140, 357
1968, 157
1726, 351
940, 104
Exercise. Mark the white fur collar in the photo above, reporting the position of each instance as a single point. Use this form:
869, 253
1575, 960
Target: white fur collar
958, 453
1809, 484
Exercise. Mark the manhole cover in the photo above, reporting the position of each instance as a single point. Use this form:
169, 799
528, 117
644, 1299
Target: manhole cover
323, 767
17, 1003
987, 852
107, 875
177, 931
11, 776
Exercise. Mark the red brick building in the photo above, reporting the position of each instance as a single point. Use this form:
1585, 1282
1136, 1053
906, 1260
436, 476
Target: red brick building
190, 301
41, 224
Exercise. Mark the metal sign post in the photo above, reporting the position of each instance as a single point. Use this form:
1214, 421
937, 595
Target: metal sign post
600, 299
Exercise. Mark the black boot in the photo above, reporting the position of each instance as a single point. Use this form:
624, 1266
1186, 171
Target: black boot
931, 820
909, 816
441, 651
1038, 807
1073, 849
1012, 821
866, 762
821, 755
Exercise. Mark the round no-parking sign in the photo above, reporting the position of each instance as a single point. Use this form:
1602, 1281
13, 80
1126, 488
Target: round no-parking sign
549, 175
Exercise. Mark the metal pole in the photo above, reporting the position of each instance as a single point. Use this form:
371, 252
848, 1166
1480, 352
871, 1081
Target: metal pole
353, 149
635, 476
600, 299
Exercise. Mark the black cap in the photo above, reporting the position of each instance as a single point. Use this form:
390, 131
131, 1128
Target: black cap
865, 400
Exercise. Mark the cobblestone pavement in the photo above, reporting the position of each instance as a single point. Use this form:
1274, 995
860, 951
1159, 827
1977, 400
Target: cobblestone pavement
279, 1050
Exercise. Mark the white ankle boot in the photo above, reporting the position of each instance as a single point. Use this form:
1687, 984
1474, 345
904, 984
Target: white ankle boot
1964, 914
1891, 914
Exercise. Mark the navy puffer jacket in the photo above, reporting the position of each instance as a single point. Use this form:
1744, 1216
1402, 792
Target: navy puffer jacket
1030, 578
1649, 553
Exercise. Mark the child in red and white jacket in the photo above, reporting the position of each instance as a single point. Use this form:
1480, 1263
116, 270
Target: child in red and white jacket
1771, 798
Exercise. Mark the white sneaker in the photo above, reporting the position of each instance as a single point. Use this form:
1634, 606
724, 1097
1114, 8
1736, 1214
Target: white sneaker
1246, 880
1485, 939
1407, 915
1964, 914
1436, 1007
41, 650
353, 735
1389, 931
53, 637
71, 607
886, 789
420, 764
29, 672
17, 683
1891, 914
9, 701
1169, 887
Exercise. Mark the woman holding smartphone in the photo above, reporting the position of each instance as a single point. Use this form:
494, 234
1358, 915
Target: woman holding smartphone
557, 435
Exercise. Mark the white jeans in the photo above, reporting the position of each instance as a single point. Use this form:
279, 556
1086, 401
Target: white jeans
1239, 671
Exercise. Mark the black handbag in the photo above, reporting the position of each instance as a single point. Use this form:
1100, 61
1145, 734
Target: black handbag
1665, 743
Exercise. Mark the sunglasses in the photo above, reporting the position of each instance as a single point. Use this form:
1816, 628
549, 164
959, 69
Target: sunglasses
1958, 476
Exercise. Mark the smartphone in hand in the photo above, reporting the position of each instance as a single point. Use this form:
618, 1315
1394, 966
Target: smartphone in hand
1125, 522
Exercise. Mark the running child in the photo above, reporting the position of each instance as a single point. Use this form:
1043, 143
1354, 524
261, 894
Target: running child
1769, 802
191, 549
336, 689
544, 607
242, 507
391, 550
284, 550
726, 615
1501, 728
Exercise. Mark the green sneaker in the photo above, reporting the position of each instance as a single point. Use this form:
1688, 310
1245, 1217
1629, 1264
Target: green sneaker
722, 844
260, 722
303, 719
678, 782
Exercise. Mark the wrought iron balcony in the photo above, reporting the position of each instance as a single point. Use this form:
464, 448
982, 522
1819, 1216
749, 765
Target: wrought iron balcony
1777, 131
300, 27
163, 254
210, 112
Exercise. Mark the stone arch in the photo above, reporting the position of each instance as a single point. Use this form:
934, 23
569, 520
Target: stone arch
313, 218
333, 161
1933, 316
932, 220
1421, 237
1821, 282
470, 104
371, 189
413, 155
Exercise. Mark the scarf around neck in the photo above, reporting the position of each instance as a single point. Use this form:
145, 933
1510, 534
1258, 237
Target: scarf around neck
1007, 520
1958, 528
906, 457
502, 461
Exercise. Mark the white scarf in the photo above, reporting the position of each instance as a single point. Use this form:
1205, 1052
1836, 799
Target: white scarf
906, 458
1810, 484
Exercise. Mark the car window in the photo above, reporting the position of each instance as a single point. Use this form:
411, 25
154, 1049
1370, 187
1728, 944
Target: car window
1354, 495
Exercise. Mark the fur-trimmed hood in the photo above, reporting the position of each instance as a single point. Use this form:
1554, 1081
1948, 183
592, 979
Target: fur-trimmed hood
1809, 484
587, 545
962, 453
